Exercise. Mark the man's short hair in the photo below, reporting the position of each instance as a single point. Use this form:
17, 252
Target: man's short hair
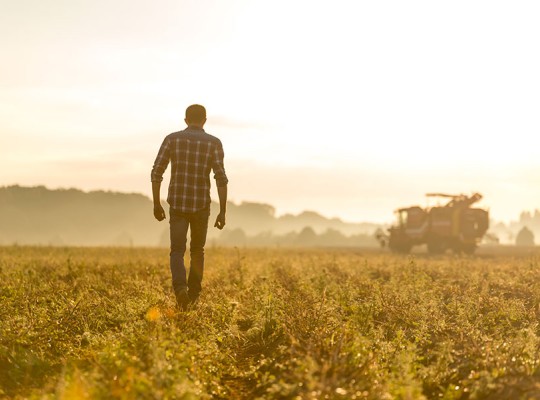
195, 113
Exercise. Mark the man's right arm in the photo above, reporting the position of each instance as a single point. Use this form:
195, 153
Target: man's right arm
159, 212
160, 165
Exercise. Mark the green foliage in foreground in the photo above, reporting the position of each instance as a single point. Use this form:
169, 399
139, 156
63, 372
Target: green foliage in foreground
101, 323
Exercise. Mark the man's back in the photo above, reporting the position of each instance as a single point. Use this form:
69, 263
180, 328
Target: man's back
193, 154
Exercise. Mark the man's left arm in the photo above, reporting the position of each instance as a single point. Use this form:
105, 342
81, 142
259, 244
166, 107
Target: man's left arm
221, 183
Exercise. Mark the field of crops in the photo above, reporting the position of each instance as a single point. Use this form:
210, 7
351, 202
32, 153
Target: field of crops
80, 323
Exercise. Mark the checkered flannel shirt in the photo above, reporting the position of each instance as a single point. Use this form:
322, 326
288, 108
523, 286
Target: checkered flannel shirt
192, 153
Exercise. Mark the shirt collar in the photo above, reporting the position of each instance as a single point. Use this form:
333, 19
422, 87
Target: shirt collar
201, 130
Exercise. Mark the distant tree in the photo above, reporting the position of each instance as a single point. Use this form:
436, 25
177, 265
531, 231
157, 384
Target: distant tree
263, 239
333, 237
234, 237
307, 237
363, 240
288, 239
525, 237
251, 217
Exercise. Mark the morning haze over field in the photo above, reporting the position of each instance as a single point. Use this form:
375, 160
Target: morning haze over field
349, 109
331, 115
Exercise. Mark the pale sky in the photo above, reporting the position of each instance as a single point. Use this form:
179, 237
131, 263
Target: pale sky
347, 108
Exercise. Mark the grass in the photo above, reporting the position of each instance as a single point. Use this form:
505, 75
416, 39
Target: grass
80, 323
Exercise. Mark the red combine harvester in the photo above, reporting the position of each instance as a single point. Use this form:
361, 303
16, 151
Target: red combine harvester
454, 226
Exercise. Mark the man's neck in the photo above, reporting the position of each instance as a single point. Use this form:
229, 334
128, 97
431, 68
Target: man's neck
196, 127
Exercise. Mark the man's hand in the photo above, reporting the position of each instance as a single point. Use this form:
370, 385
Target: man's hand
159, 212
220, 221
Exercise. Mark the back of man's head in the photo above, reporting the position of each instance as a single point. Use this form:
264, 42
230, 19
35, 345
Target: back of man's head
195, 113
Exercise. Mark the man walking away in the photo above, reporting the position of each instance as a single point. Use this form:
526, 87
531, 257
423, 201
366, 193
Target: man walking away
193, 154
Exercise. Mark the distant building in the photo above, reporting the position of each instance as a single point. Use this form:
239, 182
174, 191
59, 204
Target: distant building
525, 237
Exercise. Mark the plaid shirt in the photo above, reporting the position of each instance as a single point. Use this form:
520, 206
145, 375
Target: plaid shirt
192, 153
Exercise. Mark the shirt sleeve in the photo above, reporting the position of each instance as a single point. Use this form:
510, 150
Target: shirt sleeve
162, 160
218, 165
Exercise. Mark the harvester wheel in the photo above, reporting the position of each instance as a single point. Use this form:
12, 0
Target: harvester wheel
403, 248
468, 248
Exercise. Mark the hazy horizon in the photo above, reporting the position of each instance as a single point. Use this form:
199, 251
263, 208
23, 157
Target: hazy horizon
427, 202
350, 110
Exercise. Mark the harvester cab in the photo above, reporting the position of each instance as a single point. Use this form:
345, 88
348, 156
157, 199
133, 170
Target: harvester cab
454, 225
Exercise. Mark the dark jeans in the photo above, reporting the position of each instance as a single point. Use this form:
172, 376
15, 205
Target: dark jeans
180, 222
